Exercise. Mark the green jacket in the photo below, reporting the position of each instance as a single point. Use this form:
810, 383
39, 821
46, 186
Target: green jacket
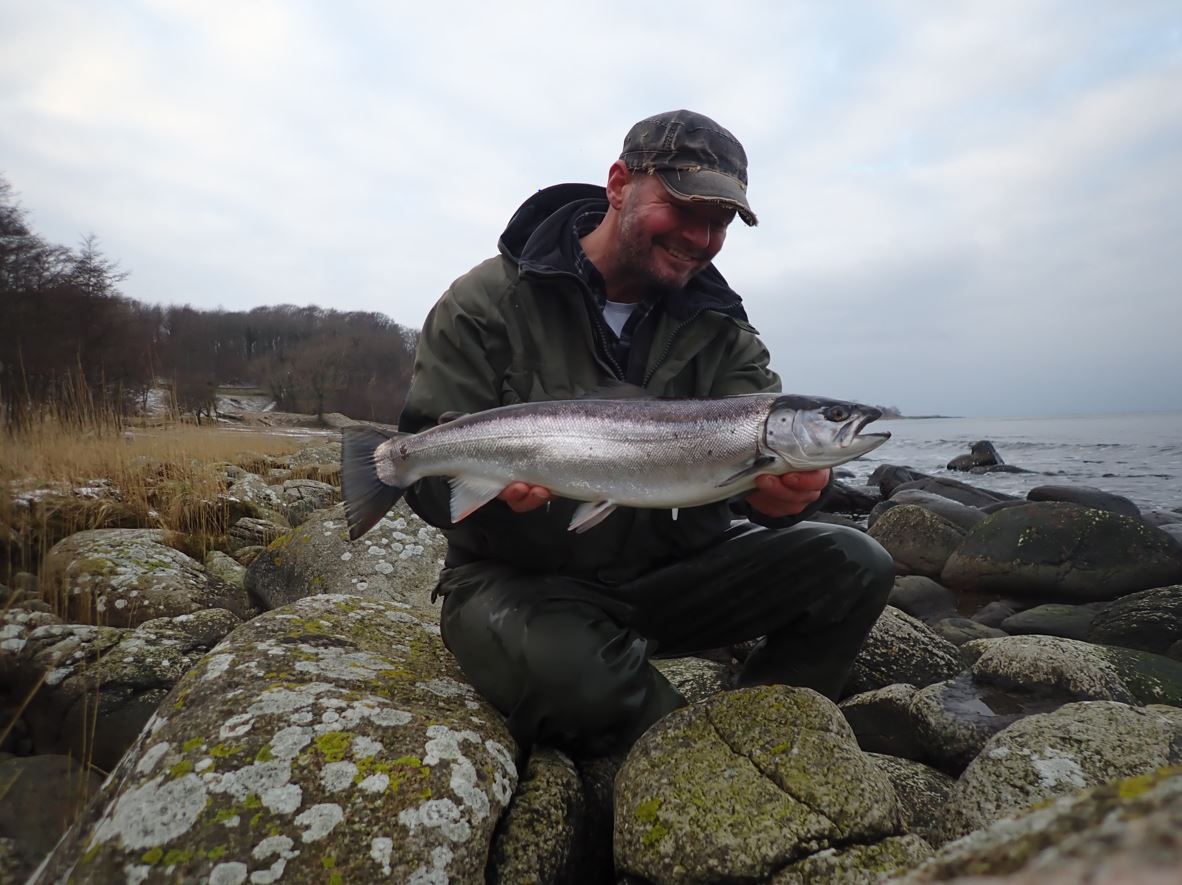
523, 327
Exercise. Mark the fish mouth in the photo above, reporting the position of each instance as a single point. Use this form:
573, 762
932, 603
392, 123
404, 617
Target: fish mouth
853, 433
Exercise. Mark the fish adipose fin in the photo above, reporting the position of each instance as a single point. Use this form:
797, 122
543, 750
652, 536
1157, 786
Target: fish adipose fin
367, 498
589, 515
756, 467
470, 493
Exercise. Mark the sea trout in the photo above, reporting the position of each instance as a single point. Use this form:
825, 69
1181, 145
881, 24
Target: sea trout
608, 453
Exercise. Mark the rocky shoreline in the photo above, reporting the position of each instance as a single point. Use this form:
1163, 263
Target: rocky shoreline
284, 710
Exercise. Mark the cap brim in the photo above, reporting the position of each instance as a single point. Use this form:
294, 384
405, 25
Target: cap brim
708, 186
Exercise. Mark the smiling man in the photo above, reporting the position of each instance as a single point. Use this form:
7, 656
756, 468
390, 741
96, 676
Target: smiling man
592, 287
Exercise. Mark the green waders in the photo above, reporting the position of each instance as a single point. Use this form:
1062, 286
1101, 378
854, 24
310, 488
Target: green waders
567, 660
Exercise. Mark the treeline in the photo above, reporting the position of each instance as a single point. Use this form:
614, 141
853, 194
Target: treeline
69, 338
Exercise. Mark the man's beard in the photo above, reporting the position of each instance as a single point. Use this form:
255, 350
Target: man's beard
636, 258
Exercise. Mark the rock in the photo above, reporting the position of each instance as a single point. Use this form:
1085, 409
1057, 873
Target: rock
992, 614
745, 783
399, 559
303, 496
918, 540
889, 477
955, 490
1150, 620
17, 861
696, 678
842, 498
123, 577
536, 840
960, 515
252, 532
1064, 550
921, 790
1057, 754
922, 598
882, 723
857, 864
981, 454
224, 567
42, 796
93, 688
998, 468
1053, 619
251, 497
332, 738
1174, 530
958, 631
244, 556
901, 649
1086, 496
1161, 518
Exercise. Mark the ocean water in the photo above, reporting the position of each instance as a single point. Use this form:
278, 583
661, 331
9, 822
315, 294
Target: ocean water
1135, 455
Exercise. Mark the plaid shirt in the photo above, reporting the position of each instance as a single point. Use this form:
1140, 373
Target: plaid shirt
618, 345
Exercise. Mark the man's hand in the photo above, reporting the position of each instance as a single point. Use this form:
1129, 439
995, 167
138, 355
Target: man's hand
522, 497
789, 493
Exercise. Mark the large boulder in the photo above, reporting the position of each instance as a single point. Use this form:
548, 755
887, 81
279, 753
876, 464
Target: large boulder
902, 649
917, 538
1065, 551
1055, 754
921, 790
1150, 620
955, 490
747, 783
123, 577
1086, 496
1053, 619
399, 559
332, 740
882, 721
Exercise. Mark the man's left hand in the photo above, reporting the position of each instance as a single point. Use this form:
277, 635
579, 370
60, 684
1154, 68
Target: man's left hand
789, 493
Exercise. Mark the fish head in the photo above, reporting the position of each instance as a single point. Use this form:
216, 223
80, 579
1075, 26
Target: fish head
809, 432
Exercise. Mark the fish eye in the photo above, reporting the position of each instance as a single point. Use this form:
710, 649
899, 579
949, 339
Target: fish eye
836, 413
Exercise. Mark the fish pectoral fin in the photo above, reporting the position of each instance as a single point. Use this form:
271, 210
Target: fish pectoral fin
470, 493
589, 515
756, 467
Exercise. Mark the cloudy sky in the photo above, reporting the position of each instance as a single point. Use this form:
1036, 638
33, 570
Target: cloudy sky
967, 208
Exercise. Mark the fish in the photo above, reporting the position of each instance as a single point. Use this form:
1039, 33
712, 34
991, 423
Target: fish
605, 452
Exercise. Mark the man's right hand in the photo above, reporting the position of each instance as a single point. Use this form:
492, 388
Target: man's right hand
522, 497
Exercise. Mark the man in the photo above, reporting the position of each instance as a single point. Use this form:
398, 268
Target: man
592, 287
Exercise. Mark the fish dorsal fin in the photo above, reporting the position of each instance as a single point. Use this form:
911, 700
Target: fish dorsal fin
755, 467
589, 515
470, 493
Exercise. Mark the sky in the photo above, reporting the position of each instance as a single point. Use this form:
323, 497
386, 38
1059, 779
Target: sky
965, 208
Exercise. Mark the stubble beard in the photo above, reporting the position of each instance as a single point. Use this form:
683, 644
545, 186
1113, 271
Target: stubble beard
636, 258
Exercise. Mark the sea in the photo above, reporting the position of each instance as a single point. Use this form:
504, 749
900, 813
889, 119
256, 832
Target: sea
1138, 455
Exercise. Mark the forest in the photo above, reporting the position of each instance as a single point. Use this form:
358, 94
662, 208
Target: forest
69, 333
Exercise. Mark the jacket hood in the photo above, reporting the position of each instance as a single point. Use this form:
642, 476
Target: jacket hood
536, 240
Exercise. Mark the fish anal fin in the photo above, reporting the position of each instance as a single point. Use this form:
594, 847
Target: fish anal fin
756, 467
589, 515
470, 493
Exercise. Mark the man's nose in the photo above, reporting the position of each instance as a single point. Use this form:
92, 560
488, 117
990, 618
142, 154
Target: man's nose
697, 234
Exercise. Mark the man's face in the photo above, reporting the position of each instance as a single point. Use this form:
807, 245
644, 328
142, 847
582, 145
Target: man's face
664, 241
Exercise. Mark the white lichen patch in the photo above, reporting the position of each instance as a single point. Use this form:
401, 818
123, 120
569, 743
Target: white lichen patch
447, 688
365, 747
380, 850
436, 874
375, 783
272, 845
232, 873
270, 781
216, 665
151, 757
288, 742
337, 776
319, 821
437, 814
338, 663
1055, 767
152, 815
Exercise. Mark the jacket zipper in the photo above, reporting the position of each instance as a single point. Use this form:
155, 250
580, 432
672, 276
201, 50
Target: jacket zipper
597, 321
669, 344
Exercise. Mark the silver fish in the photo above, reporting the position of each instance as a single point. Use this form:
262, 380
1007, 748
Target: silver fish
608, 453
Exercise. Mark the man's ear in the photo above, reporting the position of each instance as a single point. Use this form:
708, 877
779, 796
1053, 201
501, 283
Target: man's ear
618, 177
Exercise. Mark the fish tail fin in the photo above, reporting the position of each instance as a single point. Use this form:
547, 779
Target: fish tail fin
367, 498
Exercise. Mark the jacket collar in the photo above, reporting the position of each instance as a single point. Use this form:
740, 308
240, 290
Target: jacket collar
537, 240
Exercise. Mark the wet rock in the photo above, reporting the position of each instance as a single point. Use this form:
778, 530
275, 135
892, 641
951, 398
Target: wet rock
1053, 619
921, 790
42, 796
960, 515
123, 577
745, 783
303, 496
224, 567
902, 649
889, 477
958, 631
1123, 832
993, 613
399, 559
843, 498
332, 738
981, 454
1150, 620
1057, 754
882, 723
955, 490
918, 539
1086, 496
537, 838
1065, 551
922, 598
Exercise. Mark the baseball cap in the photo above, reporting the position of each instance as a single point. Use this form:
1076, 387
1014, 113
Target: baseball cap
695, 158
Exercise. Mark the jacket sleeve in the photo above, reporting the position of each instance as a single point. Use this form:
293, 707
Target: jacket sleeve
747, 371
462, 344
